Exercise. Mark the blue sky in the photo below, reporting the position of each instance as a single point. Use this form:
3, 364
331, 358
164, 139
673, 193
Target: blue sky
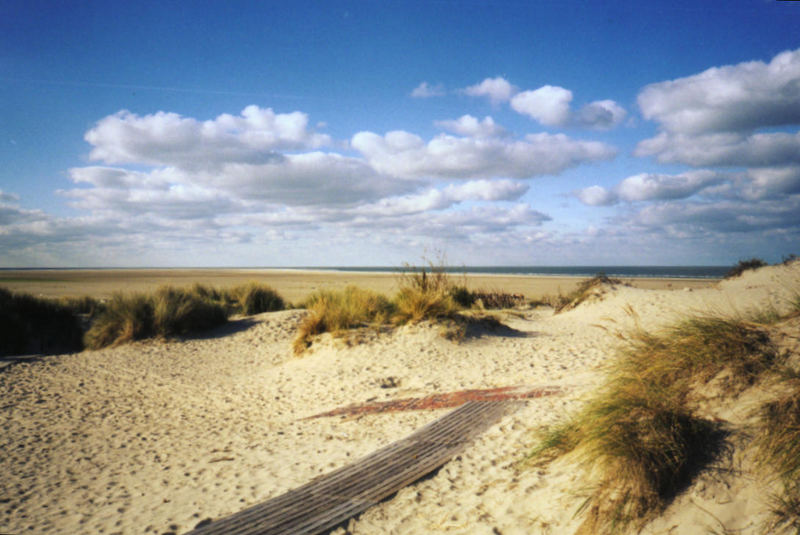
373, 133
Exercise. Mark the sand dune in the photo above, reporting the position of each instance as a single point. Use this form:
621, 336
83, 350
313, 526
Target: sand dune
156, 436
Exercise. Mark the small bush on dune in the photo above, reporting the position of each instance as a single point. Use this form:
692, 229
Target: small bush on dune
744, 265
32, 325
255, 298
334, 312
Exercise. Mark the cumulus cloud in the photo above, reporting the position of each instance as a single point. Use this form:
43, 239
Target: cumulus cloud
425, 90
596, 196
723, 149
495, 89
470, 126
732, 98
601, 115
713, 118
440, 199
169, 139
549, 104
652, 187
405, 155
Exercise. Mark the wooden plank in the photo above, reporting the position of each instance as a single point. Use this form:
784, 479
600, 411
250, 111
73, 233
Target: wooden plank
341, 494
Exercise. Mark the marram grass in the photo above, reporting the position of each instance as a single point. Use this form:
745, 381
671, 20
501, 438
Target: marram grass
640, 432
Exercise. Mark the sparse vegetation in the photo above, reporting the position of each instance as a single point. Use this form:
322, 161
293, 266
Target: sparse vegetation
641, 430
778, 444
744, 265
31, 325
425, 294
582, 293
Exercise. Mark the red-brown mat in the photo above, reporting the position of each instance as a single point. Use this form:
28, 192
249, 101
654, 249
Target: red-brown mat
443, 401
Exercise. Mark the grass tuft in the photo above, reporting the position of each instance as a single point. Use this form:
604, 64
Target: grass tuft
255, 298
125, 318
640, 431
170, 311
585, 290
778, 444
335, 312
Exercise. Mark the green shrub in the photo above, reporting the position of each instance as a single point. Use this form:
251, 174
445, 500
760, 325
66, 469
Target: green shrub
30, 325
744, 265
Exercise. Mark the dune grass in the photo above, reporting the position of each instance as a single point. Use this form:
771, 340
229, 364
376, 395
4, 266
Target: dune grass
31, 325
778, 445
640, 430
174, 311
334, 312
583, 292
425, 294
254, 298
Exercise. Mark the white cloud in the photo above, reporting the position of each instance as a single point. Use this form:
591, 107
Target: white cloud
440, 199
549, 104
650, 186
723, 149
406, 155
425, 90
470, 126
732, 98
596, 196
601, 115
496, 89
169, 139
772, 182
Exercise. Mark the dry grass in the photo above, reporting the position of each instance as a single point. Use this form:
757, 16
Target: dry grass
584, 291
168, 312
640, 430
425, 293
255, 298
778, 445
125, 318
335, 312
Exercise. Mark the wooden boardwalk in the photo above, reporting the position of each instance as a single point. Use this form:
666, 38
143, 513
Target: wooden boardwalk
333, 498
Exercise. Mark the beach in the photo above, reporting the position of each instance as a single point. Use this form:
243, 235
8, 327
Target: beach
157, 436
293, 285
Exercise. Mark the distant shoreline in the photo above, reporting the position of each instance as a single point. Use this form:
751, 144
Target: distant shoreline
295, 284
646, 272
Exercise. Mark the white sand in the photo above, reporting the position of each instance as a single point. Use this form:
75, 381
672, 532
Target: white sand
154, 437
